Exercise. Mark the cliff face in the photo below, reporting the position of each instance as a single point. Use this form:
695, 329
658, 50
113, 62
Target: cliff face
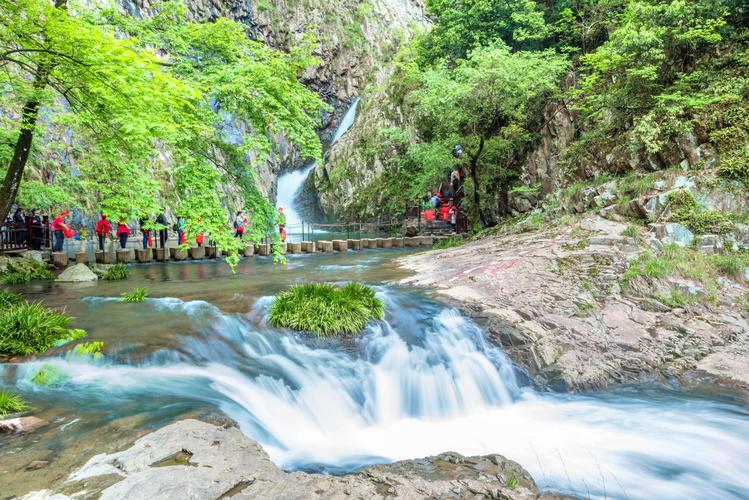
356, 40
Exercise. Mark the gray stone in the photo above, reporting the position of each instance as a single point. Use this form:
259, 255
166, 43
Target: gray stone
21, 424
679, 234
77, 274
194, 459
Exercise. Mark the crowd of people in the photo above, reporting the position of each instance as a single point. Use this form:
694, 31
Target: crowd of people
23, 230
444, 203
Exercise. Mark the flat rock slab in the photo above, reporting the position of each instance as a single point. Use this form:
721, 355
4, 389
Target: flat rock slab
194, 459
77, 274
21, 424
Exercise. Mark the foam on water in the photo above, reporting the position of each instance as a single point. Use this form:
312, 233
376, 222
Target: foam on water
413, 386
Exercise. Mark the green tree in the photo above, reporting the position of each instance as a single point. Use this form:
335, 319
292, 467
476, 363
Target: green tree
489, 103
462, 25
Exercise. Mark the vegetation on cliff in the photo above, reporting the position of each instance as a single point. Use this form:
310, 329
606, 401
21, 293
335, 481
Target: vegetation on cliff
646, 83
11, 403
325, 309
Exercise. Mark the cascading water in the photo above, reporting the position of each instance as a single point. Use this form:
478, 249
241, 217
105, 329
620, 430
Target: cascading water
423, 381
290, 184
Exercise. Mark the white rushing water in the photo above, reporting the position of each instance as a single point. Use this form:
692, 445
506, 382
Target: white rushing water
422, 383
290, 184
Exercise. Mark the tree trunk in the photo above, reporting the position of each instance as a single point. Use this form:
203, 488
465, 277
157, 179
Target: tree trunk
29, 115
474, 170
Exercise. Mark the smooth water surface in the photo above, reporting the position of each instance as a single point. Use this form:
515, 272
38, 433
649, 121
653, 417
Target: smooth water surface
421, 382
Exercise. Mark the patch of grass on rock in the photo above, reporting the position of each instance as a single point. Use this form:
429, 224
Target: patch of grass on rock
116, 272
325, 309
49, 376
32, 328
11, 403
92, 349
137, 295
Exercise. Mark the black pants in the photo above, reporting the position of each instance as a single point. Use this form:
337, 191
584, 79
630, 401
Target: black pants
102, 238
123, 240
36, 238
163, 237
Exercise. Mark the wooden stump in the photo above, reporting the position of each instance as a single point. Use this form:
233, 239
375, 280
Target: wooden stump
249, 250
263, 249
143, 254
123, 256
81, 258
340, 245
354, 244
426, 241
387, 242
160, 254
294, 247
324, 246
197, 253
180, 254
308, 247
397, 242
59, 259
210, 252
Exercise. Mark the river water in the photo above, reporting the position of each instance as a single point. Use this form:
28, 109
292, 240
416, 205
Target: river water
421, 382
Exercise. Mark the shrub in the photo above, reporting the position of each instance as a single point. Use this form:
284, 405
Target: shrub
731, 265
735, 166
8, 299
11, 403
450, 242
116, 272
326, 310
32, 328
89, 349
16, 277
686, 210
137, 295
49, 375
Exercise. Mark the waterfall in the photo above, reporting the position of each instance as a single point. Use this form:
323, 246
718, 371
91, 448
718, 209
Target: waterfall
290, 184
289, 187
420, 382
346, 122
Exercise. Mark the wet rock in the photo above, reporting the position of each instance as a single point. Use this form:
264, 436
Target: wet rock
36, 464
78, 273
21, 424
225, 463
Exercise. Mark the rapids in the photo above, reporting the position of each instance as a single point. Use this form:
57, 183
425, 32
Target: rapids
421, 382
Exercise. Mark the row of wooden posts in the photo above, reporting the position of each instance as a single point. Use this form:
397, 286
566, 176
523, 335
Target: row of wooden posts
142, 255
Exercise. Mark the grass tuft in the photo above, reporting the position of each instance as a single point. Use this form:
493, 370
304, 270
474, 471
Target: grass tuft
49, 376
11, 403
116, 272
449, 242
89, 349
32, 328
325, 309
137, 295
8, 299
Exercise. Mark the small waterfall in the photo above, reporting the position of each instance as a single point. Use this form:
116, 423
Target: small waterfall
346, 122
290, 184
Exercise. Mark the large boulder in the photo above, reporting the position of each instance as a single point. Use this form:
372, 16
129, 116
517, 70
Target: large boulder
194, 459
78, 273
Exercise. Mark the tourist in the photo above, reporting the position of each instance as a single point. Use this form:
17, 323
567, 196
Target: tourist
426, 201
123, 232
37, 232
60, 230
436, 200
239, 225
179, 227
281, 221
19, 223
162, 221
103, 229
142, 223
453, 213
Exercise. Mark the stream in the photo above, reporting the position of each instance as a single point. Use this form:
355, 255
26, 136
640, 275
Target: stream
423, 381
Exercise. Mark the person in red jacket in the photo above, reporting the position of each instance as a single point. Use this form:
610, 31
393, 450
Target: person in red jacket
59, 228
123, 232
103, 229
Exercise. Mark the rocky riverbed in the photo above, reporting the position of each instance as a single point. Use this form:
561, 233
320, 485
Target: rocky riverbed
554, 299
195, 459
